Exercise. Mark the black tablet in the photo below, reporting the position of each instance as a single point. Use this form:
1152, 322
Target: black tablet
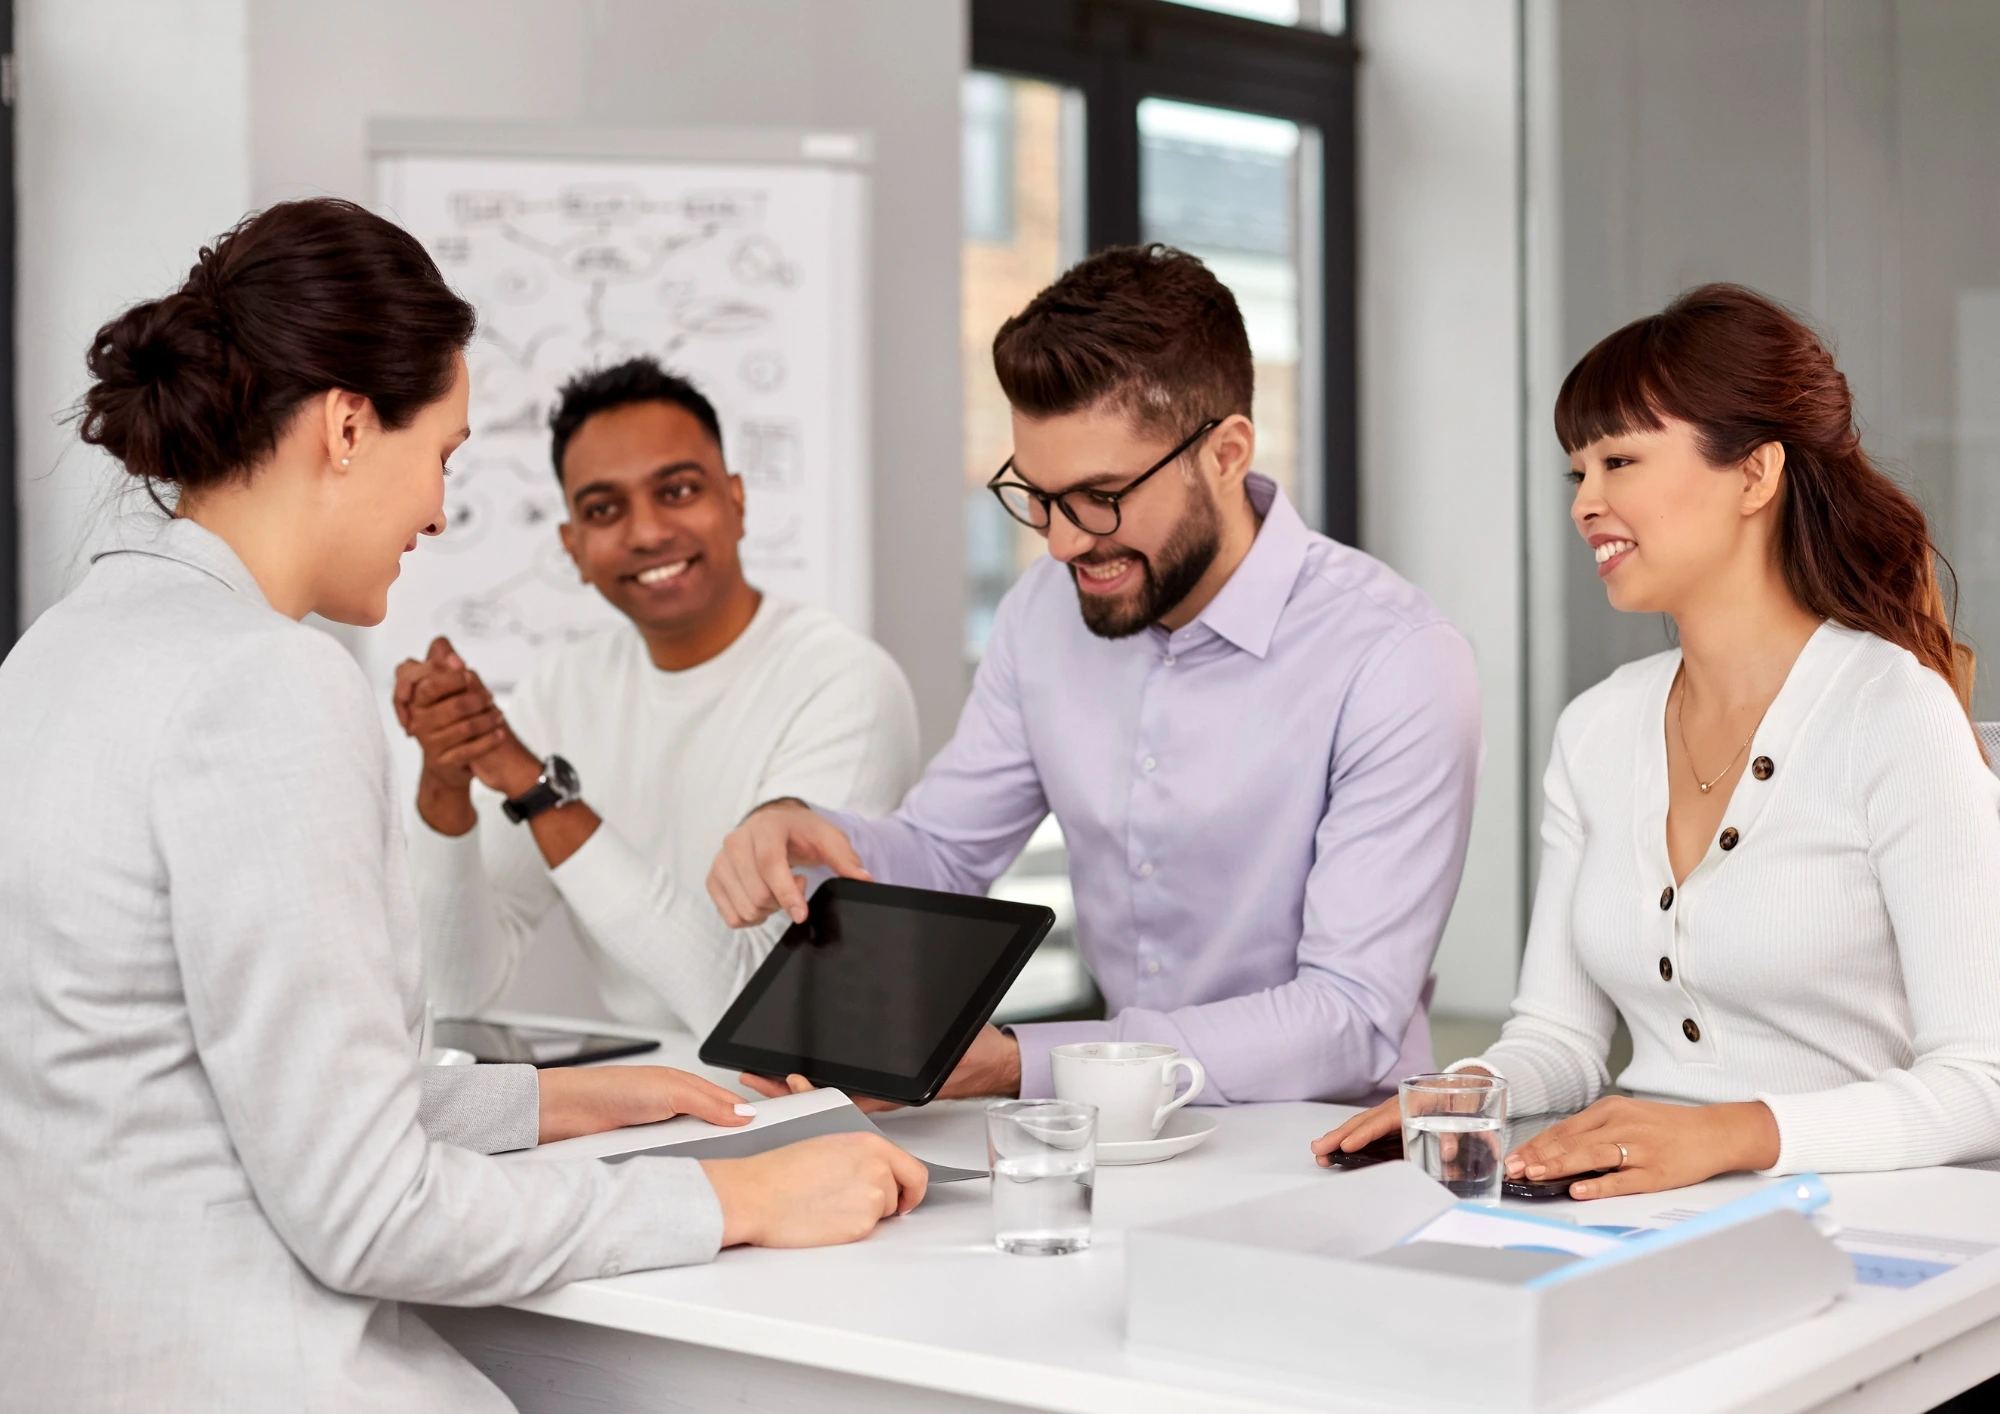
880, 990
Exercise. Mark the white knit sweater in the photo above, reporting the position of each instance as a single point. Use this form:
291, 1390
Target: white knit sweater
1841, 962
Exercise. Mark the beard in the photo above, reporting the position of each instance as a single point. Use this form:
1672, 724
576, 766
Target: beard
1183, 560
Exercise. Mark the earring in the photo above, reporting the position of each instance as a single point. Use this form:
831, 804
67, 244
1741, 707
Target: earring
345, 460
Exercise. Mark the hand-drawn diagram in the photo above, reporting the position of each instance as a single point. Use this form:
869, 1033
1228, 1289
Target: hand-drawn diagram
726, 275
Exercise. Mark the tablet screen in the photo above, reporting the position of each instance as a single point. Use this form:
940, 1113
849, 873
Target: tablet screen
888, 1012
878, 988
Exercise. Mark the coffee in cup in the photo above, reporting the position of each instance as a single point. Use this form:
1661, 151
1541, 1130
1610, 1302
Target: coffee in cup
1130, 1082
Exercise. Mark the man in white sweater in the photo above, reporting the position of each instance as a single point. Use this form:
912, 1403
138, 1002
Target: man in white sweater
608, 782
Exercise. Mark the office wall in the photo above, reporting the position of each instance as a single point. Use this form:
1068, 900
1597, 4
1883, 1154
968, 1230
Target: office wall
1836, 154
888, 66
132, 137
1440, 401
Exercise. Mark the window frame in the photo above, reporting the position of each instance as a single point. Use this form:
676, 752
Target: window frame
1117, 52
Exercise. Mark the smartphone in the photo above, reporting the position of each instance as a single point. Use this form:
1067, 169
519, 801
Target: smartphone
539, 1046
1546, 1189
1385, 1150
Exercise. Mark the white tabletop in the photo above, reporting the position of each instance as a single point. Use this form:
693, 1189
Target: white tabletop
928, 1301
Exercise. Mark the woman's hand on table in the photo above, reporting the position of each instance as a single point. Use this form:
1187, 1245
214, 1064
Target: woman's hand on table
1664, 1146
1365, 1128
815, 1193
590, 1100
1360, 1131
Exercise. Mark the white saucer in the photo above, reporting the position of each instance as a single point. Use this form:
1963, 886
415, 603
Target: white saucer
1184, 1130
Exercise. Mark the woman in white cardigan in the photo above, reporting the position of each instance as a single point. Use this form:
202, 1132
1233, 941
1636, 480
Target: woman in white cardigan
1775, 850
223, 1165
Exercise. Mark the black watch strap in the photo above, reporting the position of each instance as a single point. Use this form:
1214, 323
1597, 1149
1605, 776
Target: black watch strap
531, 802
557, 786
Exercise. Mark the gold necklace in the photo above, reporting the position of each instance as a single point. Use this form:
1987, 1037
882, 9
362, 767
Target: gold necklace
1680, 725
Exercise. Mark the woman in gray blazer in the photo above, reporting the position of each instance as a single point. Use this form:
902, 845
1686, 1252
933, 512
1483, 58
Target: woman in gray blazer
222, 1163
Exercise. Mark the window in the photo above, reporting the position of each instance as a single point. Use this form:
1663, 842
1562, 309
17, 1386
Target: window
1226, 186
1225, 128
1023, 197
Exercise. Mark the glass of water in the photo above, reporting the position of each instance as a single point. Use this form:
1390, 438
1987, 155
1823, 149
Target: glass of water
1044, 1159
1455, 1130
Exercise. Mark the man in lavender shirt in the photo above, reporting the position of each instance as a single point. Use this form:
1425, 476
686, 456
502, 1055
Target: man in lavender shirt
1261, 745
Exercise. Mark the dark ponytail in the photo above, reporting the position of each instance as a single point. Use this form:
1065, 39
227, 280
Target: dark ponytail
197, 387
1743, 371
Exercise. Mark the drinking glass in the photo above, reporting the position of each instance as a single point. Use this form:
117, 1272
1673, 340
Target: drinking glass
1044, 1159
1455, 1130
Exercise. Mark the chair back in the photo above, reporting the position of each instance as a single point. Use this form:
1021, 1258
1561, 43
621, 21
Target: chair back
1989, 737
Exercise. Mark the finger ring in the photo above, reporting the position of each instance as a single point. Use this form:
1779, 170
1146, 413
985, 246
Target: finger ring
1623, 1157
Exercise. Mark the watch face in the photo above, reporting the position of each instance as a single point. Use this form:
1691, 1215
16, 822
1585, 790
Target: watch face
563, 777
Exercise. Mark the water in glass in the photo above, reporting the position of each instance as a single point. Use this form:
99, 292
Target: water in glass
1460, 1151
1041, 1203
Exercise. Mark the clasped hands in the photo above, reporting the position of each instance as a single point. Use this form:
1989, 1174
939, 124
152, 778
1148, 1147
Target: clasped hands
443, 704
1648, 1145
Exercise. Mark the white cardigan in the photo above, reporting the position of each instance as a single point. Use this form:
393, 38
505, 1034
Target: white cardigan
1841, 962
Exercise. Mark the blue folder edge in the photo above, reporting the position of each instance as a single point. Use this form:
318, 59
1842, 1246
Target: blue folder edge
1803, 1193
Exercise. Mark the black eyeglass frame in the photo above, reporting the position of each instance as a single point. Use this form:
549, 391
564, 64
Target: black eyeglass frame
1110, 499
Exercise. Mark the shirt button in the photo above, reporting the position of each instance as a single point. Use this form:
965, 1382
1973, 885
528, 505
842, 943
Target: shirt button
1150, 763
1146, 870
1763, 768
1666, 898
1168, 661
1729, 839
1667, 972
1152, 967
1690, 1030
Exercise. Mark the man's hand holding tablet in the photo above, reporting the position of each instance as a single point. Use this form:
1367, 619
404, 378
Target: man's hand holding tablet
904, 983
991, 1066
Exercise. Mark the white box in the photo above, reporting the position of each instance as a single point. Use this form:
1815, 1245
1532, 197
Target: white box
1314, 1282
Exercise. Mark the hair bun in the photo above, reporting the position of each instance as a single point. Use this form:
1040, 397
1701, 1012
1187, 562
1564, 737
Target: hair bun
198, 387
169, 388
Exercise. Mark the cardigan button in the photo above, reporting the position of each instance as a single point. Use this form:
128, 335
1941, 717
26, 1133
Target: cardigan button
1666, 969
1690, 1030
1666, 898
1762, 768
1729, 839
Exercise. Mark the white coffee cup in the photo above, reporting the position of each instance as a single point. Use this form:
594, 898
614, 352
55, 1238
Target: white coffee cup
1130, 1082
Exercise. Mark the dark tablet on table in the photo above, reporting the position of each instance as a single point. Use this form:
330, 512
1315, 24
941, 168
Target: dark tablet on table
880, 990
539, 1046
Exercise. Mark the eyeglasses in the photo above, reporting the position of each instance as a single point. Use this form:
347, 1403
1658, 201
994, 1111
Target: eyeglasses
1091, 511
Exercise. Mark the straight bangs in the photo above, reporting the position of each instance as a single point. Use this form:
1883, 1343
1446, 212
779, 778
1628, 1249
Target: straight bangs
1614, 389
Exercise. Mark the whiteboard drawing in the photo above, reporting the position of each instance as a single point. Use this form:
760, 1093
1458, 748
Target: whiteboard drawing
744, 278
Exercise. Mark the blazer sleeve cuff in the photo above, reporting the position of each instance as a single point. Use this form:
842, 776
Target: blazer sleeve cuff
673, 1219
485, 1108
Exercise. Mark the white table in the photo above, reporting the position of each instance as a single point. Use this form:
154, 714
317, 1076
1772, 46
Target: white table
926, 1315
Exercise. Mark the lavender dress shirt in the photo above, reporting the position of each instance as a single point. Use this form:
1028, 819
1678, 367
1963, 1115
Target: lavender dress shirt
1266, 811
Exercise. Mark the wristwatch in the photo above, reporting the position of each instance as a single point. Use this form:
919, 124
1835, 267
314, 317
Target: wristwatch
558, 786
